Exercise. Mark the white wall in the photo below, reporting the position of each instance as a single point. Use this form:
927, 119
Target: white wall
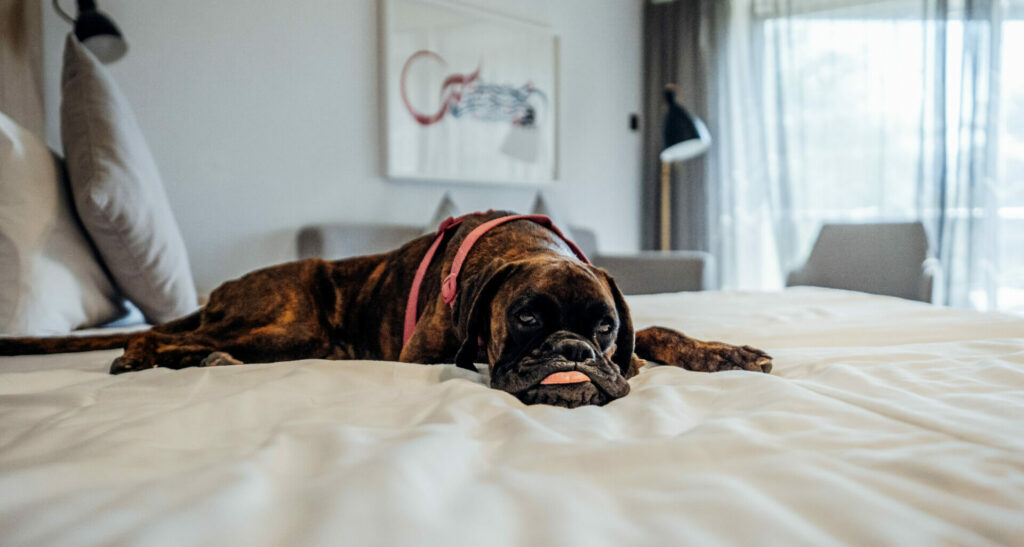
265, 118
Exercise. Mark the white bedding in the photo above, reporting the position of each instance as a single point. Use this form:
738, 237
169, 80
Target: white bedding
884, 422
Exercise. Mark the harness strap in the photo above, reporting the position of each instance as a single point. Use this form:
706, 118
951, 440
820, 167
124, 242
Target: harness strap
412, 303
449, 287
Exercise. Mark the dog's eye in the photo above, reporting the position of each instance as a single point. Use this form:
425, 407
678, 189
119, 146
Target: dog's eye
528, 319
605, 327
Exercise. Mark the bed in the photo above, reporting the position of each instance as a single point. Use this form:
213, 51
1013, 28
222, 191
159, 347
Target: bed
884, 421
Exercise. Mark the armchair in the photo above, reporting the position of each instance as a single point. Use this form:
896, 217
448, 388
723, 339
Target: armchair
890, 259
641, 272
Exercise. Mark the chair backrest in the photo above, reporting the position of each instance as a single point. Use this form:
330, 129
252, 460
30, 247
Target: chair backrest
584, 238
882, 259
344, 240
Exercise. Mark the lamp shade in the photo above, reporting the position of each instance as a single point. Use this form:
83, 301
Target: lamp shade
685, 135
98, 33
689, 148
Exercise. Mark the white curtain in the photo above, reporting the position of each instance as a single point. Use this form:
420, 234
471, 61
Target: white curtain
864, 111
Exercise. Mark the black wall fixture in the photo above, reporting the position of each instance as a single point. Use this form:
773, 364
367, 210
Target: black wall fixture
96, 31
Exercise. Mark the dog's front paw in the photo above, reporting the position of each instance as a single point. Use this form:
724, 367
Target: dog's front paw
716, 356
674, 348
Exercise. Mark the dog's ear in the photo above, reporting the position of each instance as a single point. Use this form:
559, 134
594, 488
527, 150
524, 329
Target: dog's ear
471, 313
625, 342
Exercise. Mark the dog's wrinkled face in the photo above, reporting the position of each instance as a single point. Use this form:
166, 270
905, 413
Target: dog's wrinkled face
554, 330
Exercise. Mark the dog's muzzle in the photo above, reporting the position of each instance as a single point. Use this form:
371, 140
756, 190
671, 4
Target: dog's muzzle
565, 370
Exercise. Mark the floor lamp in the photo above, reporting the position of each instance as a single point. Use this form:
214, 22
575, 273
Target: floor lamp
686, 137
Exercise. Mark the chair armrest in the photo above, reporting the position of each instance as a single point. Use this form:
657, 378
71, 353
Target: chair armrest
931, 281
343, 240
648, 272
796, 277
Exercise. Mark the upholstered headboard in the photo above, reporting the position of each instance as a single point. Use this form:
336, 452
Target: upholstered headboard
21, 62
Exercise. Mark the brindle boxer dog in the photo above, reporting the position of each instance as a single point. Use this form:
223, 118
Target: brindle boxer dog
526, 305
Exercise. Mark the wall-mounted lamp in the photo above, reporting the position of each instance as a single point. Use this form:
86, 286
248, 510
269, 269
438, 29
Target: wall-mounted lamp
96, 31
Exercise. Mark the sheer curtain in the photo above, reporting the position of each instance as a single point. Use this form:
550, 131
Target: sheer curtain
864, 111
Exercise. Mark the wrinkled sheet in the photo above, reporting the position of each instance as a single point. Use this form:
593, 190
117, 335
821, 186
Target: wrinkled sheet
884, 422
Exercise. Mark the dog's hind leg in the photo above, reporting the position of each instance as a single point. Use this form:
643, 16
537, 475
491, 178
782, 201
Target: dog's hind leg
219, 359
154, 349
185, 324
210, 347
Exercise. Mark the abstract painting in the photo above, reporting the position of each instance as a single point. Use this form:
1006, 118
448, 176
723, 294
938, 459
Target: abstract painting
469, 95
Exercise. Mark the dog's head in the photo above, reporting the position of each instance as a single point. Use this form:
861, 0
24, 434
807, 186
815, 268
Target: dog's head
554, 331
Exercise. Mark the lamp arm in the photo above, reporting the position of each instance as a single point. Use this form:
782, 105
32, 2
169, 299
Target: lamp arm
63, 14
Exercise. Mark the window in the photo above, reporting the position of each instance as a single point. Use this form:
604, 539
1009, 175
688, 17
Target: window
868, 104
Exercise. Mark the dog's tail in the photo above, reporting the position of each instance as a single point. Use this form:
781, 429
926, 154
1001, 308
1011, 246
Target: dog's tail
62, 344
74, 344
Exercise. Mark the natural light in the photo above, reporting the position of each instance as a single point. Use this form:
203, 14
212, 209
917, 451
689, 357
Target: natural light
854, 113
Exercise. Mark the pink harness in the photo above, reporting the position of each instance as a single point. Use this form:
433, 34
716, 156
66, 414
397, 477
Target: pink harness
450, 285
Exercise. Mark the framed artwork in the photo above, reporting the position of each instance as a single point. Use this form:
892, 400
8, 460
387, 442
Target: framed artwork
469, 95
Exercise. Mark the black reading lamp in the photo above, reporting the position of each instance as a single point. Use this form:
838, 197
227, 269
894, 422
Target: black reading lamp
96, 31
686, 137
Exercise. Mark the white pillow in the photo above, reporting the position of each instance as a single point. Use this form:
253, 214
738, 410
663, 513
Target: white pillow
50, 279
117, 190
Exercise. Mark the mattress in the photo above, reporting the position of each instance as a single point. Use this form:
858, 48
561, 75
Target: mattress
884, 421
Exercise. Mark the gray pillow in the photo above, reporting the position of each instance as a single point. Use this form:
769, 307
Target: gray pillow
118, 191
446, 208
51, 280
541, 206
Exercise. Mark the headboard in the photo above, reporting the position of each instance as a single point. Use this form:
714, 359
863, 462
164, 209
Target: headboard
21, 63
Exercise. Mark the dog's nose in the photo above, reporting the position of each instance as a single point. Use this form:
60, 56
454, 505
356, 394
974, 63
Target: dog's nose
576, 351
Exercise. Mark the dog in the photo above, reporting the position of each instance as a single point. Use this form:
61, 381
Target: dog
498, 288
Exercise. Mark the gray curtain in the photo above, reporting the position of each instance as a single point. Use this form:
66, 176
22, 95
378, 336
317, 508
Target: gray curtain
674, 53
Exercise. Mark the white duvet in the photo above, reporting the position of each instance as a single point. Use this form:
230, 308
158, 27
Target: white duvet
884, 422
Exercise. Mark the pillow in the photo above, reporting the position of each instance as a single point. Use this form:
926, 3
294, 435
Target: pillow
445, 209
51, 281
118, 192
541, 207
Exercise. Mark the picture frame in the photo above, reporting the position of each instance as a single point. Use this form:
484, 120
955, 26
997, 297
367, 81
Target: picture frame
468, 95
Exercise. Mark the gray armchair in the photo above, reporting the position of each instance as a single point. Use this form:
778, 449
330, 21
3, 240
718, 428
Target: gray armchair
342, 240
642, 272
650, 272
889, 259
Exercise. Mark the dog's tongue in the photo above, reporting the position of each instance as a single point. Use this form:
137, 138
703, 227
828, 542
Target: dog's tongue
571, 377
